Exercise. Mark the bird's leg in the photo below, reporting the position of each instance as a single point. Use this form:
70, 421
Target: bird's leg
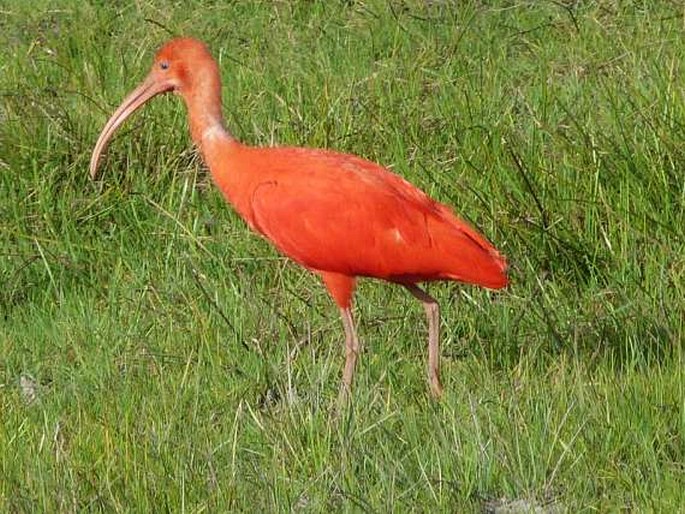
341, 289
433, 314
351, 352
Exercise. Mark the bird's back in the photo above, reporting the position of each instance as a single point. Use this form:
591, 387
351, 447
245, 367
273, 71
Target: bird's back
339, 213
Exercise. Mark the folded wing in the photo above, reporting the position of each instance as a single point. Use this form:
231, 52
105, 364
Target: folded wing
339, 213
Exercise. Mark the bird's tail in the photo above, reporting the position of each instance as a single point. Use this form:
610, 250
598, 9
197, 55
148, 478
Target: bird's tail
472, 258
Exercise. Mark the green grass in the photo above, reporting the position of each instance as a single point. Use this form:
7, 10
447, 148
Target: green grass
180, 364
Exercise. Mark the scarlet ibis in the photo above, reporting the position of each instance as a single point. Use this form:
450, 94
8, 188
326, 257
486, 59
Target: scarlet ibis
336, 214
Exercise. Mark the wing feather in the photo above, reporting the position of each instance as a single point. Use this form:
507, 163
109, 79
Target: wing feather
339, 213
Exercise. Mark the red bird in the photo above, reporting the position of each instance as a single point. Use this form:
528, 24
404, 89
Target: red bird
337, 215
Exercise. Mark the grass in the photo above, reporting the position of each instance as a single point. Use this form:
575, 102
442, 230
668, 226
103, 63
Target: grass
157, 355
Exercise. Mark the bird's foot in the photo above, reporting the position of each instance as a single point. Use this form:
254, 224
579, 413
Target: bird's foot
436, 387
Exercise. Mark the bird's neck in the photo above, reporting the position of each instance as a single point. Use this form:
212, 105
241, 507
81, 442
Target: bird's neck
206, 125
204, 113
211, 137
218, 148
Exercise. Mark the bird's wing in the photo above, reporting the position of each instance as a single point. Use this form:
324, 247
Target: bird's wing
346, 215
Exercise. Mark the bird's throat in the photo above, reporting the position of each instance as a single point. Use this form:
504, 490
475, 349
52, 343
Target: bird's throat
205, 127
210, 133
204, 112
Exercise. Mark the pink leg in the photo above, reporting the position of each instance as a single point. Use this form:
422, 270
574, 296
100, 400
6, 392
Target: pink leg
341, 288
351, 352
433, 314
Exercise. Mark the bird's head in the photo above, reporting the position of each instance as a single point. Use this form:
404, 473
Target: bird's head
182, 65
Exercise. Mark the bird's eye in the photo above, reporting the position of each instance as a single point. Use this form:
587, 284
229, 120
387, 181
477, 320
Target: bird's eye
164, 65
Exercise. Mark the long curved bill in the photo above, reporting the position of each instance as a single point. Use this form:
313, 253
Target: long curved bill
149, 88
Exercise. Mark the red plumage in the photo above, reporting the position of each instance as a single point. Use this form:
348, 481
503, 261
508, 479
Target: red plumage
338, 215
